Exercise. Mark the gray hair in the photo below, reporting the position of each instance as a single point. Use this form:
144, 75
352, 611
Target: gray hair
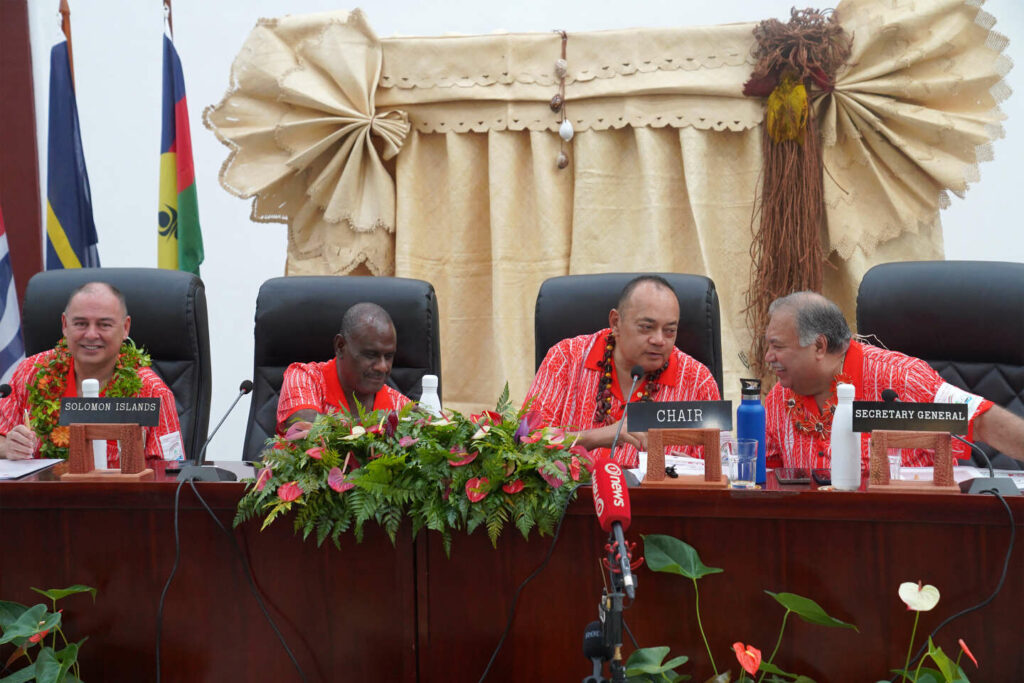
814, 315
95, 288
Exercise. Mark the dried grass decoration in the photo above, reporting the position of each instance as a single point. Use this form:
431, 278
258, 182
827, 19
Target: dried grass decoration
797, 61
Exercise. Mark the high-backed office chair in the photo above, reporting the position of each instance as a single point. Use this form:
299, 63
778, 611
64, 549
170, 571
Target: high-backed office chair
965, 318
572, 305
297, 318
169, 320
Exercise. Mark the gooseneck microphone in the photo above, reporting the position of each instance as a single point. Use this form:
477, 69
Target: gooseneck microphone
198, 470
636, 373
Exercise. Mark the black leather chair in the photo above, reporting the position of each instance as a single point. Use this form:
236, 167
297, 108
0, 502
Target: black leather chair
965, 318
572, 305
169, 320
297, 318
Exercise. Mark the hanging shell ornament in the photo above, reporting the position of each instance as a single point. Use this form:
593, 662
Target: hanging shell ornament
563, 160
561, 68
787, 108
556, 103
565, 130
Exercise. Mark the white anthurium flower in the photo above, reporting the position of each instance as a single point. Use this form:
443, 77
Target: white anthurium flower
481, 433
357, 432
918, 597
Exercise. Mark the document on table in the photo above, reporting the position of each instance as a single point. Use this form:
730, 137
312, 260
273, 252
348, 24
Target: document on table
16, 469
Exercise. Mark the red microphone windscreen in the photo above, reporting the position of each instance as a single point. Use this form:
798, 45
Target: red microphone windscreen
611, 498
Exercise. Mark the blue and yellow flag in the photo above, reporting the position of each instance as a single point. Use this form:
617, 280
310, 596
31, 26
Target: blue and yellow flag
70, 231
179, 239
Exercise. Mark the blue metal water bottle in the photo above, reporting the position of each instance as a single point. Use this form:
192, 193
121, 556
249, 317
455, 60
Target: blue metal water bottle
750, 422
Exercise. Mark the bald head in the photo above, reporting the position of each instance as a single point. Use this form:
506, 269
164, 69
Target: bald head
98, 289
364, 316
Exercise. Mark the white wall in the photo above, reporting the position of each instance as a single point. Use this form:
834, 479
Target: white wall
117, 51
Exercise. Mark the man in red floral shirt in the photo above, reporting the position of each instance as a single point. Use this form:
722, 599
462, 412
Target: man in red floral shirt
810, 349
583, 380
363, 352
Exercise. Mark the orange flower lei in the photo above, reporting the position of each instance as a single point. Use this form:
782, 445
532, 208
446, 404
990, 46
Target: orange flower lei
47, 387
820, 426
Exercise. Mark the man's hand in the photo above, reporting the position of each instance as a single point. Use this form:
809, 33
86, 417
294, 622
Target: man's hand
20, 443
602, 437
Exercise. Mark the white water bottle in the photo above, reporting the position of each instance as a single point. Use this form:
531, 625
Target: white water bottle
845, 443
91, 389
429, 399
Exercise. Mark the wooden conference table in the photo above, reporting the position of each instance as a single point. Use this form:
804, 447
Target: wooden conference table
377, 612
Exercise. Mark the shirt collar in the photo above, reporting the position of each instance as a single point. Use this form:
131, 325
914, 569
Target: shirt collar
336, 395
670, 377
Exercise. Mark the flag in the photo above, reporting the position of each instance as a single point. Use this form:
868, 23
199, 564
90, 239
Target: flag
12, 349
179, 240
70, 231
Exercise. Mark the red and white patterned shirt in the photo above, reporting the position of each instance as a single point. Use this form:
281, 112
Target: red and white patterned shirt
871, 370
315, 386
12, 408
565, 388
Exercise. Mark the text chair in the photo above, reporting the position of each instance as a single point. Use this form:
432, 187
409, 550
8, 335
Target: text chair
169, 320
965, 318
297, 318
571, 305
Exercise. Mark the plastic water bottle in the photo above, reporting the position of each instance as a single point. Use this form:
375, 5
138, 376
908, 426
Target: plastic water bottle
429, 399
750, 422
845, 443
91, 389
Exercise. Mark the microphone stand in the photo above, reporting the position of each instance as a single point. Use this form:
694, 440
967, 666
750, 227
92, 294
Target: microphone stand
610, 610
199, 469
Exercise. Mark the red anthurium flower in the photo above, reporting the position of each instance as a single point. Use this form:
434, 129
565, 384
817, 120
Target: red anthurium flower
289, 492
391, 423
554, 481
749, 657
534, 438
375, 429
407, 441
967, 651
574, 468
495, 418
476, 489
316, 452
282, 446
263, 478
35, 638
464, 460
584, 456
514, 486
297, 431
554, 446
336, 480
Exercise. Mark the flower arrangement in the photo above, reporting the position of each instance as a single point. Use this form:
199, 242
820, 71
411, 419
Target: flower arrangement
27, 628
447, 474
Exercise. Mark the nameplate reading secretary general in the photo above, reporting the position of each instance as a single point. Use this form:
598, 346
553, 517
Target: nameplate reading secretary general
364, 350
582, 381
95, 323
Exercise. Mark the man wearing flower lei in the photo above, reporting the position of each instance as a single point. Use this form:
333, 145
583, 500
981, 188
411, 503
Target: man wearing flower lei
811, 349
582, 380
95, 345
364, 349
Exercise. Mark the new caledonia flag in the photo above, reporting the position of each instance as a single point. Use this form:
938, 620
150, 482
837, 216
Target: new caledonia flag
179, 243
70, 231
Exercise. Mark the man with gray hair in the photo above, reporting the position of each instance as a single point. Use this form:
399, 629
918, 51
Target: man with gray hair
364, 349
810, 349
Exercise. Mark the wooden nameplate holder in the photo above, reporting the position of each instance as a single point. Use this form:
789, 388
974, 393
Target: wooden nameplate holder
657, 439
80, 456
878, 463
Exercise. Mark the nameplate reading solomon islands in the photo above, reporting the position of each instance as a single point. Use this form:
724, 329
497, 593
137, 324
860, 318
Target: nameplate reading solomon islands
909, 417
144, 412
644, 416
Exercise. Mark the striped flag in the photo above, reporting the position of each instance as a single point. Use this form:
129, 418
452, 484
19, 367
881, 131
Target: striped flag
179, 240
70, 231
12, 349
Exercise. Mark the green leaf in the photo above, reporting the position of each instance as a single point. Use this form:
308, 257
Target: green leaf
68, 656
58, 593
47, 666
21, 675
32, 621
808, 610
649, 660
9, 613
950, 670
672, 556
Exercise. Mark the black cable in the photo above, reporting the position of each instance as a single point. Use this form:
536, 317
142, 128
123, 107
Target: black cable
636, 645
986, 601
248, 575
174, 570
528, 579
